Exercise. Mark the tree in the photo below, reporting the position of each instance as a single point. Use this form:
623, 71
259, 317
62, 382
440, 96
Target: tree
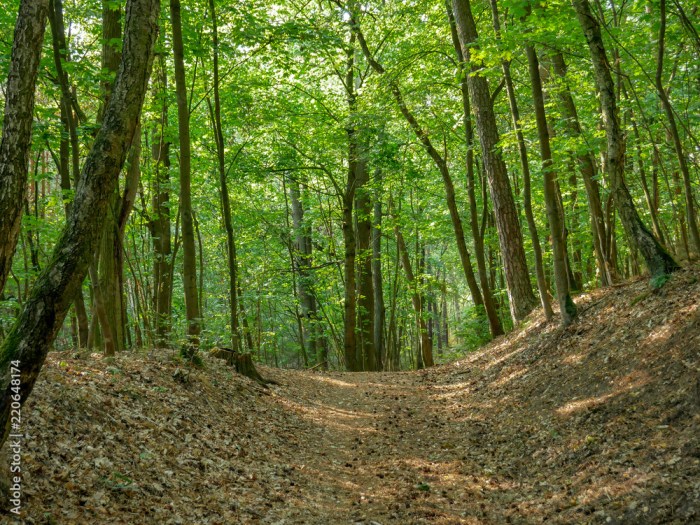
189, 270
30, 338
17, 125
658, 260
522, 300
567, 308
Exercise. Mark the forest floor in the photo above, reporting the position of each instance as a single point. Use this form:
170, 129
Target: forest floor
595, 423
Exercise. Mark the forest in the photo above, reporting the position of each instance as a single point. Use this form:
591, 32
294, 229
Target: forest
316, 187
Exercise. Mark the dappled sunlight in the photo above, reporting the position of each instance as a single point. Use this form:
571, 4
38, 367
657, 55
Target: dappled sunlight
508, 378
632, 381
333, 381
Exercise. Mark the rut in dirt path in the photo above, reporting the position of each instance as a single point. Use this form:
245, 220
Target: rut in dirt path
387, 454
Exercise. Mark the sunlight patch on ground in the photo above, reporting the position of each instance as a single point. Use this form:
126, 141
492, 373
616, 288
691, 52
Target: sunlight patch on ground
632, 381
332, 381
507, 379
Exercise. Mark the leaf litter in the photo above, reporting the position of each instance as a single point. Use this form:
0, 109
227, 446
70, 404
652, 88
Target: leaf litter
594, 423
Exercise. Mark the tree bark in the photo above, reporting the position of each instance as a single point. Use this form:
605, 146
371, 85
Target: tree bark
495, 325
188, 236
160, 224
542, 286
379, 309
55, 289
658, 260
365, 283
353, 362
522, 300
17, 125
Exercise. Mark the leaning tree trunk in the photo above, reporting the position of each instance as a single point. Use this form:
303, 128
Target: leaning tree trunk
588, 171
489, 301
68, 152
28, 343
658, 260
510, 238
17, 125
525, 166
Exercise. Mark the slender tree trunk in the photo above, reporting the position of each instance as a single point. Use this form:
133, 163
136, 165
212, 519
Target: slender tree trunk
425, 344
522, 300
27, 344
353, 361
441, 164
17, 125
567, 308
527, 185
379, 310
160, 224
589, 172
223, 186
69, 153
673, 130
365, 283
657, 259
188, 237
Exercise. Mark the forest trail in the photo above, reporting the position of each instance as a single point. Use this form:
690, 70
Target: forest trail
596, 423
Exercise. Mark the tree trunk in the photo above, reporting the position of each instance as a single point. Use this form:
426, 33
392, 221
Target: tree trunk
30, 338
378, 284
441, 164
425, 343
17, 125
223, 186
365, 283
673, 130
590, 175
542, 286
189, 270
68, 152
658, 260
495, 325
160, 224
111, 321
522, 300
353, 361
567, 308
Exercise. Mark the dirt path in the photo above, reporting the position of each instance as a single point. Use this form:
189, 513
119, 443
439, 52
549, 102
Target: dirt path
379, 448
